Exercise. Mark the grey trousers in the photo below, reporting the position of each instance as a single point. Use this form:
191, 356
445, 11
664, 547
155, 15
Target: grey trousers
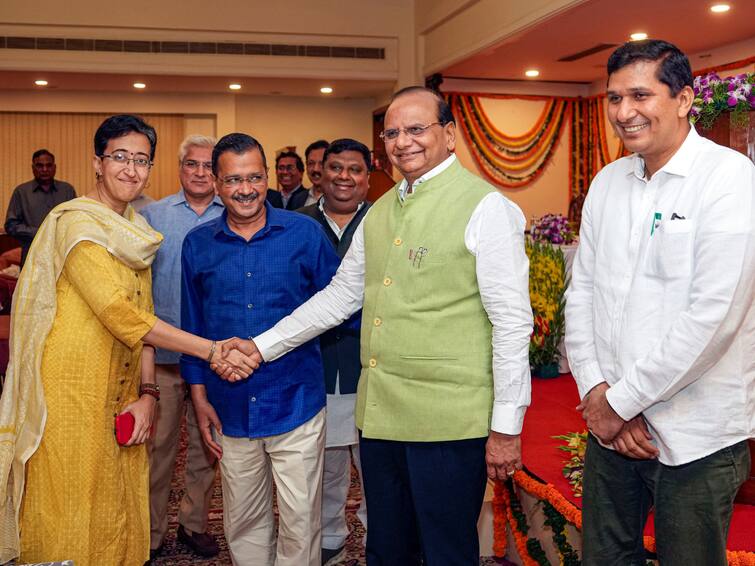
693, 505
162, 449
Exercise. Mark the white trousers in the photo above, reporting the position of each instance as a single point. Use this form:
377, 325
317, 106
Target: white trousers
294, 460
336, 481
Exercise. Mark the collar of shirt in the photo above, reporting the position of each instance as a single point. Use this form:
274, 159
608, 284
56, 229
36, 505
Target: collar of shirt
53, 188
287, 194
332, 223
437, 170
273, 221
680, 163
180, 198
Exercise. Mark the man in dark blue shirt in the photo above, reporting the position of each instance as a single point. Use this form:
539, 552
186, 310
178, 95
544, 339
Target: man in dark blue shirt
241, 273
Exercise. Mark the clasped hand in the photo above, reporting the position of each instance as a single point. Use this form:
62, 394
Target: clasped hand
235, 359
630, 438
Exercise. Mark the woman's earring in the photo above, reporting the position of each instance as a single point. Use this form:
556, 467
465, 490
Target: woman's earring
98, 175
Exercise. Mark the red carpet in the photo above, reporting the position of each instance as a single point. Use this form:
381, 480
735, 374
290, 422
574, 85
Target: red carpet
552, 413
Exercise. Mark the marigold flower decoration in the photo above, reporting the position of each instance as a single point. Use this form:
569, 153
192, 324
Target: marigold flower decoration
714, 95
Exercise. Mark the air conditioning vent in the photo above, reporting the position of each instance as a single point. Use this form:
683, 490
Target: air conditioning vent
587, 52
191, 48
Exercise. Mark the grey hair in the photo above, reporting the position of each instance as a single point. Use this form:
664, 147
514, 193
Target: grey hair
194, 140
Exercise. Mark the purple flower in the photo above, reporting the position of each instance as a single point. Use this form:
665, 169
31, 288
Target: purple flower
732, 101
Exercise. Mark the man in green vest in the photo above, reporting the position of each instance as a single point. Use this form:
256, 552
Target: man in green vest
439, 267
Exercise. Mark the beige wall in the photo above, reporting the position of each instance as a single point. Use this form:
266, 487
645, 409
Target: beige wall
275, 121
477, 25
278, 122
388, 24
69, 137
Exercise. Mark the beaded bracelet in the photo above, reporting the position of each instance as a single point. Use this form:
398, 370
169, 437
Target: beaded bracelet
152, 389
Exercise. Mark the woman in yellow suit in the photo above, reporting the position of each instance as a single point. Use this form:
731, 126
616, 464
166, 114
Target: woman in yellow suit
81, 313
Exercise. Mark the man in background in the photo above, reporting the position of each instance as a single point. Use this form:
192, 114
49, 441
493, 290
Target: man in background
174, 216
290, 169
345, 182
33, 200
313, 158
660, 323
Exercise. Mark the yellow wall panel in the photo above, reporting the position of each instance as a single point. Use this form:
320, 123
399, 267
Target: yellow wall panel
69, 136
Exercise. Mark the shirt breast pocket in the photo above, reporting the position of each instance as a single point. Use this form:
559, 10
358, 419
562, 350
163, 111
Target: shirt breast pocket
670, 253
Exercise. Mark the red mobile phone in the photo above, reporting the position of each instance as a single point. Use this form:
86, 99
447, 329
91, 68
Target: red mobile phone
124, 427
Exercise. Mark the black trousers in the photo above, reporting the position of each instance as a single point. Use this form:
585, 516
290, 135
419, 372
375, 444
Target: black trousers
693, 506
423, 499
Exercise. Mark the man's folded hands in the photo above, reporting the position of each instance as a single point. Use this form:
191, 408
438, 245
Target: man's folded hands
236, 359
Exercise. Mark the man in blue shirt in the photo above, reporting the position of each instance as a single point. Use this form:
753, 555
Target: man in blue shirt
241, 273
174, 216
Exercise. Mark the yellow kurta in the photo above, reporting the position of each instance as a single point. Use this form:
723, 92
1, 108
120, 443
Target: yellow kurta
86, 497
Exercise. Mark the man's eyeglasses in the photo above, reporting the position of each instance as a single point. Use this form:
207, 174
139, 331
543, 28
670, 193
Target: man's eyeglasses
412, 131
286, 167
235, 181
122, 158
192, 165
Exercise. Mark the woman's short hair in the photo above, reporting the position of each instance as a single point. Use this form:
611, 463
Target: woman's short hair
121, 125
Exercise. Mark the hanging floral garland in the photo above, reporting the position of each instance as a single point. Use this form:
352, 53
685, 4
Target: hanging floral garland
509, 161
508, 509
588, 150
515, 161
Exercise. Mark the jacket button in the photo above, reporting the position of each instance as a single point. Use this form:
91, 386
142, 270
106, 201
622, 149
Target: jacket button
387, 281
373, 362
378, 322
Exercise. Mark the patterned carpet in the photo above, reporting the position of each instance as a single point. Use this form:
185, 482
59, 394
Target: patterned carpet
177, 554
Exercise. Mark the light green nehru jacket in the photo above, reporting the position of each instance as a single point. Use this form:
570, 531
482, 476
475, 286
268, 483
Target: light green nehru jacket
426, 339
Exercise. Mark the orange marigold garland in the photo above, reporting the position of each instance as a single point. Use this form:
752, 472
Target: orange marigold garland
500, 503
571, 513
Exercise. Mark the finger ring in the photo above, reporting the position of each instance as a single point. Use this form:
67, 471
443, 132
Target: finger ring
511, 472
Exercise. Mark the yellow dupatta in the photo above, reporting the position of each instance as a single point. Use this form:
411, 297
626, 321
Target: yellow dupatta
22, 406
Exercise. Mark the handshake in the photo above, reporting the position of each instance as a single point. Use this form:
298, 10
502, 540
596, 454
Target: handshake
235, 359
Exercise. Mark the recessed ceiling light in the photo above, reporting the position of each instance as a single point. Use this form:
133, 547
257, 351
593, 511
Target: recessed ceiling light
639, 36
326, 89
720, 8
532, 72
234, 86
40, 82
140, 85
